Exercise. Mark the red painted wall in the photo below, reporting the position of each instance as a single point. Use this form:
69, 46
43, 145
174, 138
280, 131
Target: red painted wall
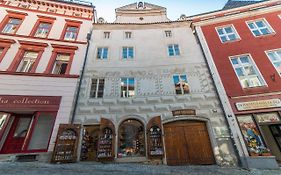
249, 44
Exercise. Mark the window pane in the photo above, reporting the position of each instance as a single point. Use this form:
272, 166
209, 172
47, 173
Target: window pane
265, 31
273, 56
22, 127
1, 50
43, 30
42, 132
256, 32
220, 31
61, 64
234, 61
278, 67
250, 70
27, 61
260, 24
251, 25
3, 119
228, 30
12, 25
239, 72
232, 37
71, 33
244, 59
176, 79
177, 50
223, 38
171, 51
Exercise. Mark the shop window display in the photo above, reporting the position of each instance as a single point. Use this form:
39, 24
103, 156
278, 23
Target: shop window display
131, 139
105, 148
252, 136
89, 144
155, 142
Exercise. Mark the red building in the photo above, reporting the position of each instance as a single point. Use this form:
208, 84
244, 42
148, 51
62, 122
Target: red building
243, 50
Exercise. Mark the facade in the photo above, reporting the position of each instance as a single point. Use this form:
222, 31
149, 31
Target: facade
147, 94
242, 46
42, 48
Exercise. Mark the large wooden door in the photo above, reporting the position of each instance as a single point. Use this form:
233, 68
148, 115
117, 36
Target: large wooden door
17, 135
187, 143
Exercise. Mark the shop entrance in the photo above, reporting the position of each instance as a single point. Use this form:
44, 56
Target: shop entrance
17, 135
188, 143
90, 143
131, 139
272, 136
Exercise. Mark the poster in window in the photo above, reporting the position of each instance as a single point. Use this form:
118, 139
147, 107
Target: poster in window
252, 136
267, 118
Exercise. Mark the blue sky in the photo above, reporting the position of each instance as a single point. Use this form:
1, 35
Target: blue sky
105, 8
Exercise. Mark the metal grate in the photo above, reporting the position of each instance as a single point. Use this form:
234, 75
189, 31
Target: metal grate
26, 158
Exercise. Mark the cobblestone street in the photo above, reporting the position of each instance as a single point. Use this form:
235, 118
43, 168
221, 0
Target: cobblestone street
8, 168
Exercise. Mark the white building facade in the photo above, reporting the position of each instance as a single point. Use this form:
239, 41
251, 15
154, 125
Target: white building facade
42, 48
147, 94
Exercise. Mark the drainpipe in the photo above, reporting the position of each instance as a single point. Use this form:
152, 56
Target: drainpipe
83, 70
241, 162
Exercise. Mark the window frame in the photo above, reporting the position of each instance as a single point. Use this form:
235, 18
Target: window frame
106, 35
260, 75
238, 38
182, 89
174, 51
70, 23
170, 35
97, 88
127, 87
42, 19
61, 49
130, 34
128, 58
5, 44
22, 59
10, 15
274, 50
269, 27
27, 46
102, 58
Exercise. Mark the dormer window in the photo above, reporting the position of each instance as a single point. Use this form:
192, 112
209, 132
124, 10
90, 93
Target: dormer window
106, 35
168, 33
140, 5
128, 35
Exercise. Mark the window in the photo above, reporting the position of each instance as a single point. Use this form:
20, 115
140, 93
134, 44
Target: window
181, 85
106, 35
168, 33
27, 61
128, 52
71, 33
12, 25
247, 72
43, 30
127, 87
61, 64
128, 35
1, 50
227, 33
260, 27
275, 58
173, 50
97, 88
102, 53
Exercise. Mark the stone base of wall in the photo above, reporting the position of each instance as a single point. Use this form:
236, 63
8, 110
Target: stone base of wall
262, 162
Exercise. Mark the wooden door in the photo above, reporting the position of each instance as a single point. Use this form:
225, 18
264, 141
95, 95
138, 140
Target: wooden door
17, 135
187, 143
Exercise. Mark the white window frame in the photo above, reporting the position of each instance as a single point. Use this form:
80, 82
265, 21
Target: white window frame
128, 58
68, 35
263, 82
226, 35
97, 88
62, 61
174, 51
102, 58
42, 34
257, 28
127, 87
275, 50
181, 86
30, 62
9, 30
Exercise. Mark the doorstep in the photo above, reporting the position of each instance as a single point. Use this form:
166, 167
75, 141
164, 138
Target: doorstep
131, 160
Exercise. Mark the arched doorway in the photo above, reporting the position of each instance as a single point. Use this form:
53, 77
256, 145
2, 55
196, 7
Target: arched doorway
188, 143
131, 139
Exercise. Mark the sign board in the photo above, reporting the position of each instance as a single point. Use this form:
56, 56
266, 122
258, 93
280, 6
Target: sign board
261, 104
66, 146
184, 112
30, 102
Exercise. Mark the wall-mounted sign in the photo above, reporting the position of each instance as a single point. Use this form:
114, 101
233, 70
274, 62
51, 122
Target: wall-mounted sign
65, 150
184, 112
261, 104
30, 102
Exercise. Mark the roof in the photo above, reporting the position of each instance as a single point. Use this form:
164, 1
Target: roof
76, 2
146, 6
239, 3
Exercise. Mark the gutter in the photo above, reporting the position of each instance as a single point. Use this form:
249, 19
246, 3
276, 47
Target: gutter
82, 73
